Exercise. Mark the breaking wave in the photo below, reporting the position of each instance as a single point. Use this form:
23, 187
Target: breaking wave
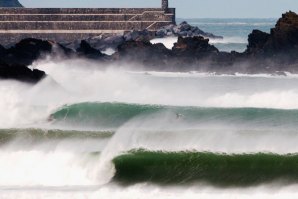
217, 169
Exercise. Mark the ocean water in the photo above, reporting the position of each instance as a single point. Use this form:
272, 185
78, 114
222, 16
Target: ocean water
234, 31
85, 132
88, 132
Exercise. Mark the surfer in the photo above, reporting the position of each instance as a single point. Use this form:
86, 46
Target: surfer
178, 116
51, 118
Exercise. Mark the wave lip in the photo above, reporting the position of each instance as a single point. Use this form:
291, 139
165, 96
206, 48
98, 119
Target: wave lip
224, 170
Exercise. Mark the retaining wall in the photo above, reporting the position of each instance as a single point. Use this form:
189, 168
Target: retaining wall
67, 24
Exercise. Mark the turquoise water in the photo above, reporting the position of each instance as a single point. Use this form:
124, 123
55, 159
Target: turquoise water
234, 31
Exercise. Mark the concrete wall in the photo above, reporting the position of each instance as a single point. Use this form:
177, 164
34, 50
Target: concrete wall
66, 24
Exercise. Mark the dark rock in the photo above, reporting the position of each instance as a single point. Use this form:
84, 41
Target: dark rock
185, 30
21, 73
135, 35
193, 46
285, 34
256, 42
10, 3
109, 42
87, 51
143, 52
74, 45
26, 51
282, 40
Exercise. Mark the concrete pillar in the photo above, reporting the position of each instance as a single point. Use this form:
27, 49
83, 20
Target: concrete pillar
164, 4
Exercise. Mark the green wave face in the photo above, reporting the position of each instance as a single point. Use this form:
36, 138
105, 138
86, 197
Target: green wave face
113, 115
216, 169
106, 115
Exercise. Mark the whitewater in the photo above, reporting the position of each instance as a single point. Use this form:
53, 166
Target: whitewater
92, 131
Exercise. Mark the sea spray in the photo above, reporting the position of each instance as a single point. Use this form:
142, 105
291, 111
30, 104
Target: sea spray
118, 85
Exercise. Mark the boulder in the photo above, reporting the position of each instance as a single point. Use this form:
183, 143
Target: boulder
193, 46
256, 42
27, 51
185, 30
20, 72
282, 40
87, 51
142, 52
136, 35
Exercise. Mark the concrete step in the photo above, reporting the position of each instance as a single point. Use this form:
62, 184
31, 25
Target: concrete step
79, 25
95, 17
79, 11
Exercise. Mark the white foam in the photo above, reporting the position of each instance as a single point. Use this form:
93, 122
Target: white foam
109, 51
148, 191
229, 40
37, 168
167, 41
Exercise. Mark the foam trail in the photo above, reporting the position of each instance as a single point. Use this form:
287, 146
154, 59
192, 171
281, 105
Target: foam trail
229, 40
148, 191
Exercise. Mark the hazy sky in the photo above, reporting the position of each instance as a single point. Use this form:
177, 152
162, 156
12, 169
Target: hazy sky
188, 8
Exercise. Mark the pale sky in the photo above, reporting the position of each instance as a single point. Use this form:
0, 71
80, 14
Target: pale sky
188, 8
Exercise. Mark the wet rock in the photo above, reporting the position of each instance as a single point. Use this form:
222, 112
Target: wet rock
26, 51
20, 72
142, 51
185, 30
256, 42
193, 46
135, 35
87, 51
282, 40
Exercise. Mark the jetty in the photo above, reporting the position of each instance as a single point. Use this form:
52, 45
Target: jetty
68, 24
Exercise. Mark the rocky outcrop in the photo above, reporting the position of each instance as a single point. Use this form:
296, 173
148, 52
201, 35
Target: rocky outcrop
10, 3
14, 61
87, 51
20, 72
256, 42
184, 30
142, 52
278, 50
283, 39
193, 46
26, 51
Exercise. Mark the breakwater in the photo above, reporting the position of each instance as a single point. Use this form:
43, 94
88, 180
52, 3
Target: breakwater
68, 24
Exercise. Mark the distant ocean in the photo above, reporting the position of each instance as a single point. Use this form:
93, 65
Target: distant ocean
234, 31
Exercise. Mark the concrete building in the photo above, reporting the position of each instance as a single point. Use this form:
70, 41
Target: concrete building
68, 24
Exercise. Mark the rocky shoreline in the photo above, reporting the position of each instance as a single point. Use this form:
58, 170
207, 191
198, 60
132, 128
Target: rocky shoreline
273, 53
